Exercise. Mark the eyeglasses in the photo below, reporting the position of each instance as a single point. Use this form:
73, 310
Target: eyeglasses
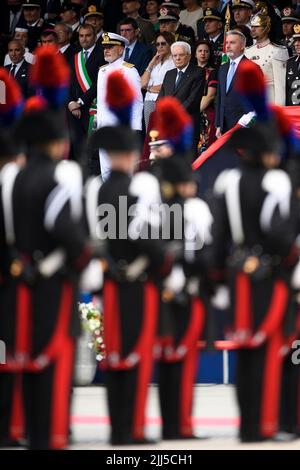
126, 30
160, 44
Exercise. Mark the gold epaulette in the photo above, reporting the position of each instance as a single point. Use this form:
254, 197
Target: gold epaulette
127, 64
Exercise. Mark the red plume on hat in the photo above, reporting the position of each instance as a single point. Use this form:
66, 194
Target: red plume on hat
286, 129
174, 123
251, 85
35, 103
11, 100
50, 75
120, 97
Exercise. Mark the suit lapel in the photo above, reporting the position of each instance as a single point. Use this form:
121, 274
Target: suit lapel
172, 82
224, 80
185, 77
134, 52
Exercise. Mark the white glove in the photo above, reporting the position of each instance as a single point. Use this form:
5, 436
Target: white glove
221, 299
175, 282
295, 280
92, 277
246, 118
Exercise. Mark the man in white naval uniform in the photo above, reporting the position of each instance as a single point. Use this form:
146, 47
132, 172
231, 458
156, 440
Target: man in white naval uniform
271, 58
113, 46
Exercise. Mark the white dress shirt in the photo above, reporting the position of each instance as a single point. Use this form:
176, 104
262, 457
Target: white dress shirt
157, 76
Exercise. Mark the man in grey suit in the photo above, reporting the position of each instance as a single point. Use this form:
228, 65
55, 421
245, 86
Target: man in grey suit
186, 82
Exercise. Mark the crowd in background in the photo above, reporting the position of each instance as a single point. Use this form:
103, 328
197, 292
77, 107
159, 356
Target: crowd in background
150, 27
157, 295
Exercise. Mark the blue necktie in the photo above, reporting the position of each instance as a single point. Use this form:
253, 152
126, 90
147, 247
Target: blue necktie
178, 79
230, 75
86, 56
126, 57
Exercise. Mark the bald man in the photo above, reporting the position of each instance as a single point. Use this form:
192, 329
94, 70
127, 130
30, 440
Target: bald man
18, 67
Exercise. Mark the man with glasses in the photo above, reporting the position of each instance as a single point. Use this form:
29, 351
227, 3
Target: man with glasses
114, 45
135, 53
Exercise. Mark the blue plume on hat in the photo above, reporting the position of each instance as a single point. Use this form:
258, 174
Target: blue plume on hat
120, 97
251, 85
12, 107
174, 123
50, 75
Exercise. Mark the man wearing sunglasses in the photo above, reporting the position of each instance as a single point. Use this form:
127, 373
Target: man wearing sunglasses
113, 46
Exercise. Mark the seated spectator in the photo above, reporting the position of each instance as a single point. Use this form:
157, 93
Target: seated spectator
136, 53
204, 57
152, 9
21, 34
131, 10
155, 72
186, 82
192, 13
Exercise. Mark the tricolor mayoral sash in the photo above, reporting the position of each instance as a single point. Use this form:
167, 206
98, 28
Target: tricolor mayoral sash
85, 83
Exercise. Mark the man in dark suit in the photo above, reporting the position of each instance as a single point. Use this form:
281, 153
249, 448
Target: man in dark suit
83, 88
136, 53
230, 107
64, 34
185, 82
18, 67
229, 110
